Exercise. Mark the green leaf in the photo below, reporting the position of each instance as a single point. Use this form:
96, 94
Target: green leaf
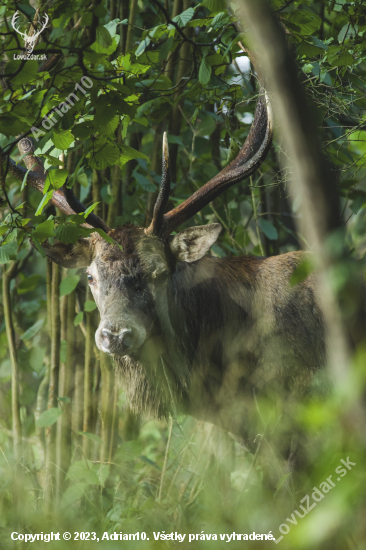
36, 357
338, 6
206, 126
345, 59
110, 127
83, 470
28, 10
282, 480
49, 417
348, 31
215, 5
38, 246
44, 230
63, 139
104, 39
64, 399
166, 48
130, 154
8, 252
26, 176
220, 17
161, 83
184, 17
33, 330
90, 209
233, 150
78, 318
82, 178
175, 139
3, 229
130, 450
93, 437
28, 72
56, 178
104, 235
205, 71
96, 47
73, 494
142, 46
107, 155
46, 198
68, 284
12, 235
83, 130
302, 271
90, 305
144, 182
307, 22
10, 125
112, 27
103, 473
309, 50
268, 229
69, 233
28, 284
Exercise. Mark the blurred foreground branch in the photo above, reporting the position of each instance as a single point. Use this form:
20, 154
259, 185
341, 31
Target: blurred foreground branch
311, 177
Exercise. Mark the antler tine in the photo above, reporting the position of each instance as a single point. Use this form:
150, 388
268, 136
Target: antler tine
63, 198
163, 197
45, 23
250, 157
13, 22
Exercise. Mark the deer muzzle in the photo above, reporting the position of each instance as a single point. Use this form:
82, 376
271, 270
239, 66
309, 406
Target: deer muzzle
119, 341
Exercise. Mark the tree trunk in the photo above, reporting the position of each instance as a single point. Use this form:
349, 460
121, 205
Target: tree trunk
171, 63
131, 29
53, 387
10, 334
176, 116
64, 423
107, 406
88, 379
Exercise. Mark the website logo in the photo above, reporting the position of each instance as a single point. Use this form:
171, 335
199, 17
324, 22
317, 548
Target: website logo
30, 38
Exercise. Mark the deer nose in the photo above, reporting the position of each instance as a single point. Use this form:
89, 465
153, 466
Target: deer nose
117, 341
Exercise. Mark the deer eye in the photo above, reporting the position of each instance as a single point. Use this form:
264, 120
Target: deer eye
138, 287
90, 278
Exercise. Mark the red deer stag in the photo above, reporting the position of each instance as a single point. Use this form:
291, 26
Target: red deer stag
193, 333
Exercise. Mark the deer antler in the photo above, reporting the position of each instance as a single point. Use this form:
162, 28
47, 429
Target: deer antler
37, 33
250, 157
13, 21
163, 197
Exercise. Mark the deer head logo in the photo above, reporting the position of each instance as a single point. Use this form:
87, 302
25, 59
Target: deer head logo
30, 38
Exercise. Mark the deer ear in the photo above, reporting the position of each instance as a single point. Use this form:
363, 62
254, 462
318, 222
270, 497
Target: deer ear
79, 254
193, 243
